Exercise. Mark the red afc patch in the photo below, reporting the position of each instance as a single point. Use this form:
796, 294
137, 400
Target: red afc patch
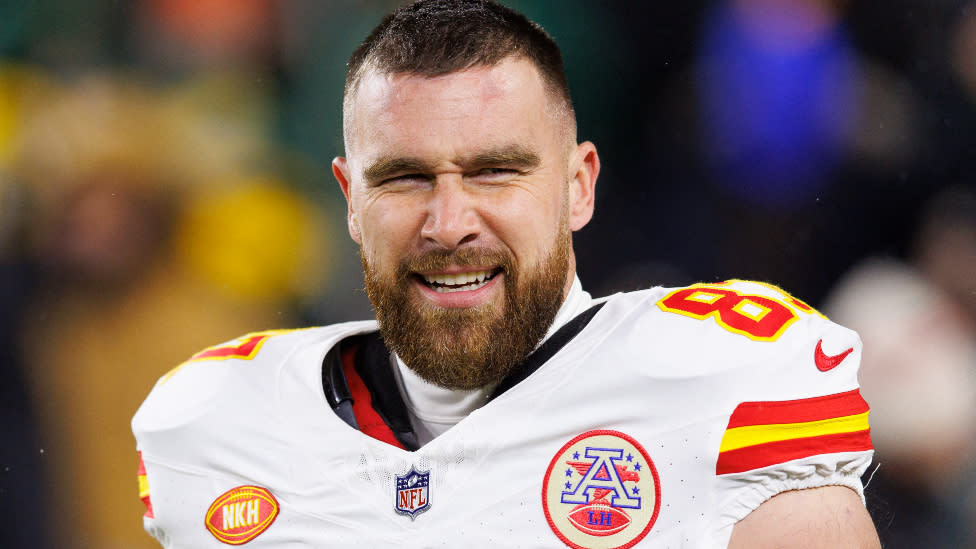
241, 514
601, 491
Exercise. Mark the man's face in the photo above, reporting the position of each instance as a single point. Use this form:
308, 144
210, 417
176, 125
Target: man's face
463, 191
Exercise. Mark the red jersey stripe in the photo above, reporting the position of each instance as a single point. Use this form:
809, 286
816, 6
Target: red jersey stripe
369, 421
771, 453
246, 350
144, 488
798, 411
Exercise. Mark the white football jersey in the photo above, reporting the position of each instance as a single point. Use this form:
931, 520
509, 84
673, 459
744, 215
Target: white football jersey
662, 421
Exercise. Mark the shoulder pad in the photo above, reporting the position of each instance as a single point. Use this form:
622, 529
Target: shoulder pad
755, 310
245, 365
752, 333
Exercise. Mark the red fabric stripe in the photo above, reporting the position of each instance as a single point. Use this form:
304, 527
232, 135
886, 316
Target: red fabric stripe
771, 453
145, 499
243, 350
149, 509
369, 421
798, 411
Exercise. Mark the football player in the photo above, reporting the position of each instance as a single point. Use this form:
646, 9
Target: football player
494, 402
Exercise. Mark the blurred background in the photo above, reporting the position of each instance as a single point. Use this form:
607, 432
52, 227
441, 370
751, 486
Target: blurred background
165, 185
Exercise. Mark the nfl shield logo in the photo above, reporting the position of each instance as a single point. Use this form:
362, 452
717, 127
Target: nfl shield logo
412, 493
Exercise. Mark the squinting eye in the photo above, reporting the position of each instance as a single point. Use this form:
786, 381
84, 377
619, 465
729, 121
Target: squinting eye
496, 172
406, 178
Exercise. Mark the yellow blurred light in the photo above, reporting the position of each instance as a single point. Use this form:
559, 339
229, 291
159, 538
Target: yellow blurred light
257, 240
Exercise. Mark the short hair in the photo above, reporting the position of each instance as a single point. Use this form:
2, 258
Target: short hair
437, 37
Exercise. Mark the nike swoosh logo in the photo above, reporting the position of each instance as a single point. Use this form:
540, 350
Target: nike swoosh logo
825, 362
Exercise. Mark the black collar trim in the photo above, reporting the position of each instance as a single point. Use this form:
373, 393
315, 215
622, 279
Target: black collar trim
549, 347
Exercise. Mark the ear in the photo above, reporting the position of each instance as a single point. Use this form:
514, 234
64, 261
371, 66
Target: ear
585, 167
340, 168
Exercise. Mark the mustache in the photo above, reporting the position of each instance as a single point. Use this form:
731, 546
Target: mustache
437, 260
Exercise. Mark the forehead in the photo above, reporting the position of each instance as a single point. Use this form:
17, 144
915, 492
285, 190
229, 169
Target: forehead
480, 106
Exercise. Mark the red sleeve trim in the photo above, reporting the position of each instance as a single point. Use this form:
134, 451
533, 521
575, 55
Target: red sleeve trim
144, 488
771, 453
798, 411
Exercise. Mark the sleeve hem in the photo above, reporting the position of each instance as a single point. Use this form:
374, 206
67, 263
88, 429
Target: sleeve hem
743, 493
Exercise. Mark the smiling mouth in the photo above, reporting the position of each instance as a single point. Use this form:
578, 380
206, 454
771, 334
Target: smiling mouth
460, 282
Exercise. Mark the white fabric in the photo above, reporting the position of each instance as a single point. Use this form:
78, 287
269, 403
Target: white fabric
669, 382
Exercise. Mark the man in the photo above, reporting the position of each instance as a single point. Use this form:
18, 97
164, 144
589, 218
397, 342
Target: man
498, 404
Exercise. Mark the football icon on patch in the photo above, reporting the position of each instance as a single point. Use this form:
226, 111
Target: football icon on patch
601, 491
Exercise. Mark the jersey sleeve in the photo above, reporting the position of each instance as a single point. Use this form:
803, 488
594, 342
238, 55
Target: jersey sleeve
799, 420
166, 431
771, 447
781, 381
148, 518
179, 430
217, 433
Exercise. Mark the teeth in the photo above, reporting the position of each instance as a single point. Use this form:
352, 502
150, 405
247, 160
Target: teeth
465, 288
458, 282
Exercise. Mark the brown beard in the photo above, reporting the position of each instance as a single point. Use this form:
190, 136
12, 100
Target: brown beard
471, 347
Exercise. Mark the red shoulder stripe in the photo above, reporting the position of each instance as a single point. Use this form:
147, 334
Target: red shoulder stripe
771, 453
798, 411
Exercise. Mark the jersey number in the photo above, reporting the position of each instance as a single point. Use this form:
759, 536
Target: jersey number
754, 316
243, 348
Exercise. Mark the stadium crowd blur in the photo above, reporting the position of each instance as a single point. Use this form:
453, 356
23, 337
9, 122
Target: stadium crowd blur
165, 185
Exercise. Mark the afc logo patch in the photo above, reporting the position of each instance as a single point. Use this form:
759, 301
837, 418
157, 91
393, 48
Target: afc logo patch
601, 491
412, 495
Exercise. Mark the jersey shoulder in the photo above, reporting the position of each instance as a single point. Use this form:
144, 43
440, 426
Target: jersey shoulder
247, 367
778, 378
758, 311
754, 330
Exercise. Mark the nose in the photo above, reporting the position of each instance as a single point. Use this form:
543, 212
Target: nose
452, 218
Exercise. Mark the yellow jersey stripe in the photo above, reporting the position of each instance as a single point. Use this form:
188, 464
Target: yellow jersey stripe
143, 486
751, 435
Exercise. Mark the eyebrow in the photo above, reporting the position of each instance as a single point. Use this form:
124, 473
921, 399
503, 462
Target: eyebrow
514, 156
383, 168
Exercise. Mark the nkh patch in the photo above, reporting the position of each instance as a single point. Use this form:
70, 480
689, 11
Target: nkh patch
601, 491
241, 514
412, 495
